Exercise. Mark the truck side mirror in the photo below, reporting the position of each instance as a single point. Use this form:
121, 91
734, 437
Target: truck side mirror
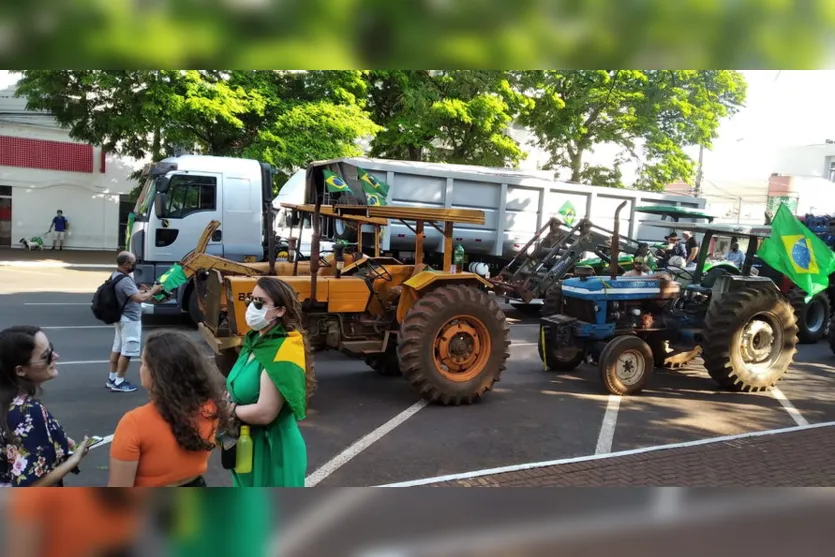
162, 184
160, 201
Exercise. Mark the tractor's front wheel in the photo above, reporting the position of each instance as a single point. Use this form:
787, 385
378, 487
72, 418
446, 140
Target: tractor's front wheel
812, 318
453, 345
750, 339
626, 365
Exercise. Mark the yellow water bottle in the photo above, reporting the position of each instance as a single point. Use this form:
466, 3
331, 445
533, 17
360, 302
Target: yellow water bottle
243, 452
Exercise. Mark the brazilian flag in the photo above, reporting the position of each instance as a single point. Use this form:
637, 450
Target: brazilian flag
376, 185
375, 196
282, 355
334, 183
796, 252
172, 279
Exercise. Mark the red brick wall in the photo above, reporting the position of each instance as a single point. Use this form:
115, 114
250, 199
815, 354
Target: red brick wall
46, 155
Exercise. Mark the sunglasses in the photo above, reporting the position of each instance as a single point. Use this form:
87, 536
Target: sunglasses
257, 302
49, 356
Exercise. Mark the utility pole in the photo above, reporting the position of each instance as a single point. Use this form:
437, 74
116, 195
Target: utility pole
697, 190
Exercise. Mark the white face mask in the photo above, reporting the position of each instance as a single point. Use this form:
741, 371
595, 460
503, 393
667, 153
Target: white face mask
257, 318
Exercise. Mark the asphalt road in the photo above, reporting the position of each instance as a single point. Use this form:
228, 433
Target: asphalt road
530, 416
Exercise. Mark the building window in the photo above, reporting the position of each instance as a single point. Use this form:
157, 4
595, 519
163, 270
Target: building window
189, 194
5, 191
832, 171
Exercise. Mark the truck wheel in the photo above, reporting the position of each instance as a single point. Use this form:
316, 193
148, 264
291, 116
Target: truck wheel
385, 364
812, 318
626, 365
453, 345
194, 312
750, 339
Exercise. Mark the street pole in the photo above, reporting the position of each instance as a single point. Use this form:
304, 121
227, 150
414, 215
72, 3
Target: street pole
697, 191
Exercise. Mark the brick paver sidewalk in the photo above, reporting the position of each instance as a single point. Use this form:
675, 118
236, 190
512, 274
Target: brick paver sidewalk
804, 458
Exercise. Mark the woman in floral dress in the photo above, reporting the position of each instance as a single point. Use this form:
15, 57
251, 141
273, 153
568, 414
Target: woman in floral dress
34, 450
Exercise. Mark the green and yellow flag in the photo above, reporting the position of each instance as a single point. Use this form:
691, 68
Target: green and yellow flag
796, 252
283, 358
172, 279
377, 185
334, 183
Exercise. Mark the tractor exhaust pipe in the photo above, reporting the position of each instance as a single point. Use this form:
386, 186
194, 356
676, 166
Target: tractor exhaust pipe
615, 250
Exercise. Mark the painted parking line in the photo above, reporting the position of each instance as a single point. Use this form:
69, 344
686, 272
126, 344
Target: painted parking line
363, 443
786, 403
607, 428
573, 460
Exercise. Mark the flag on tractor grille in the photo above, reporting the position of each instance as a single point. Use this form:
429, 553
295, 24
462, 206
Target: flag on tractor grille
334, 183
796, 252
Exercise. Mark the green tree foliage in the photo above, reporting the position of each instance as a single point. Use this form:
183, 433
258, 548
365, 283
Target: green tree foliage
753, 34
650, 115
285, 118
445, 116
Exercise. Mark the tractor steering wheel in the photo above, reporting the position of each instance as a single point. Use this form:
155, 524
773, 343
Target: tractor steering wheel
376, 270
683, 271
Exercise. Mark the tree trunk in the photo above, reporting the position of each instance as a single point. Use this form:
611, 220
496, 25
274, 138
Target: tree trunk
415, 153
576, 164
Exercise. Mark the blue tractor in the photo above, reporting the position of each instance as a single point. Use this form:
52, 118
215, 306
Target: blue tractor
741, 324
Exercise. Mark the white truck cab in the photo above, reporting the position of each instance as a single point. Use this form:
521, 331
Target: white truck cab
179, 197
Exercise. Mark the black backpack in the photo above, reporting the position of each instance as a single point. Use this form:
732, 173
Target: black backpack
106, 306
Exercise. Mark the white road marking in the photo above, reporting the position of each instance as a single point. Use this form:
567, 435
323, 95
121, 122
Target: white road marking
292, 537
786, 403
512, 343
357, 447
607, 428
544, 464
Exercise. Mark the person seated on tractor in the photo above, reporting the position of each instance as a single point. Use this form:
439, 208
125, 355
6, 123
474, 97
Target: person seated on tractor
639, 267
735, 256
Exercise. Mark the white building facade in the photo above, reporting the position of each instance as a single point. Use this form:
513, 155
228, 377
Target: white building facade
804, 179
42, 170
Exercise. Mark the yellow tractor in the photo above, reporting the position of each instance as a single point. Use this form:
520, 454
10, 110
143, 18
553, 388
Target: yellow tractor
441, 329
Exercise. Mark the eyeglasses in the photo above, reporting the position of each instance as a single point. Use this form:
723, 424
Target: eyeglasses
257, 302
48, 357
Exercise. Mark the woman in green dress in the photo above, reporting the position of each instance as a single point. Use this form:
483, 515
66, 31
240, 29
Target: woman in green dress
268, 386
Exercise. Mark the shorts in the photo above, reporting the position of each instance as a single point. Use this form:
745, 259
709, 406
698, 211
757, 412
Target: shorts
59, 235
128, 338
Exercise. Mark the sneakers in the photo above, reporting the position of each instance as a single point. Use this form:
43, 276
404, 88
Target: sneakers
123, 387
110, 384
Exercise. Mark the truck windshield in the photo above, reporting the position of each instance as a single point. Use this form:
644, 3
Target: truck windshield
145, 200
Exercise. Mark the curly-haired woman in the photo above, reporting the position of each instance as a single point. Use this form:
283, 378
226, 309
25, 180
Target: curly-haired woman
168, 442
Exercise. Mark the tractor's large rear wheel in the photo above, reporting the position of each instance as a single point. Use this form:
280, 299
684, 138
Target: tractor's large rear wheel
453, 345
750, 339
812, 318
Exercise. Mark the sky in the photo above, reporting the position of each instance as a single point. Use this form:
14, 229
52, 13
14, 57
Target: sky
783, 108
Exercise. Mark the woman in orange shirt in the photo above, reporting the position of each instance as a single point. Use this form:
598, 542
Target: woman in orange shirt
81, 522
167, 442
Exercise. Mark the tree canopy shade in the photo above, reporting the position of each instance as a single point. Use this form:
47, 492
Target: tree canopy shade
650, 115
288, 118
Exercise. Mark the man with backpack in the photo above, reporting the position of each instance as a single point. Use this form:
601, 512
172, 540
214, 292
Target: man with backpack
117, 302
